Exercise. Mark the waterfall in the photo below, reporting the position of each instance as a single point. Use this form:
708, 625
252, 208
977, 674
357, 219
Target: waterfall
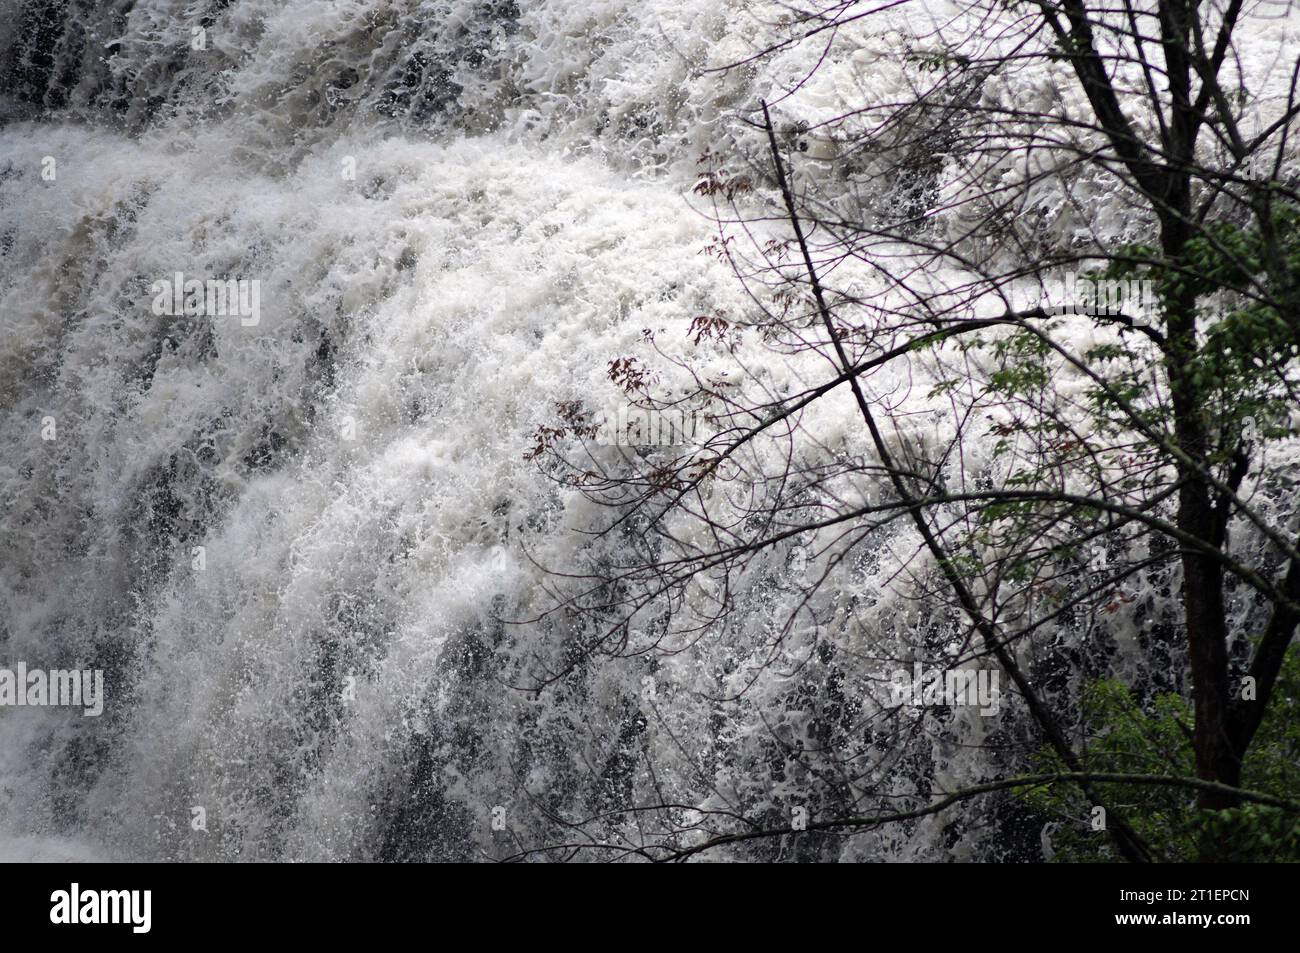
305, 545
457, 213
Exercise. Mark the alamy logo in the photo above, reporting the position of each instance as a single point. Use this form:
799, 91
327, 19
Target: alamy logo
102, 906
20, 686
646, 427
949, 688
212, 298
1074, 294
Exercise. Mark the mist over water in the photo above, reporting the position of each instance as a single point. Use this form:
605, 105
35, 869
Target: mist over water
458, 214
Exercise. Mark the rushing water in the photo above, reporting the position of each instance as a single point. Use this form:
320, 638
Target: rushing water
458, 213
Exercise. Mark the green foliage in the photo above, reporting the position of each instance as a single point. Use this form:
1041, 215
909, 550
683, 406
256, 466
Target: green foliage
1022, 367
1126, 738
1242, 365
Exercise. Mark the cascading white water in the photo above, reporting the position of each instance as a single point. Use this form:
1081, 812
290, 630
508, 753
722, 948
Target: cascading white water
458, 214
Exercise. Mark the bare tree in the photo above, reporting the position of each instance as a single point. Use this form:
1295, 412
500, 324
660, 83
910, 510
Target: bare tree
1053, 287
